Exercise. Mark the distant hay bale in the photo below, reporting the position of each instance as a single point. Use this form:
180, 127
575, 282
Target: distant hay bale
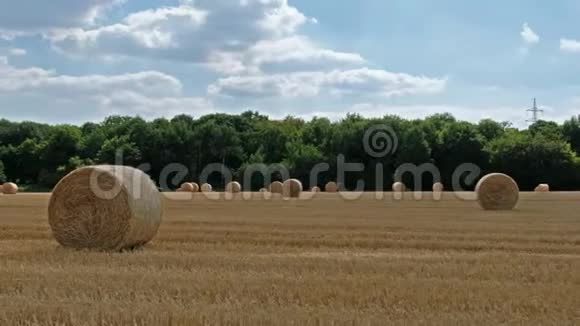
399, 187
315, 189
543, 188
277, 187
9, 188
292, 188
187, 187
497, 191
206, 187
195, 187
438, 187
234, 187
331, 187
105, 208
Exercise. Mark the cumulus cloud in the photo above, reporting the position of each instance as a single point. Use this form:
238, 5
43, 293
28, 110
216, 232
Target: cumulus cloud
303, 84
127, 102
16, 52
25, 16
419, 111
37, 79
230, 37
148, 93
256, 45
570, 45
528, 35
155, 30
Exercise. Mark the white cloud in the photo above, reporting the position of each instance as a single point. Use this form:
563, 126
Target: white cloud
16, 52
467, 113
569, 45
229, 37
24, 16
151, 30
41, 80
294, 53
148, 93
126, 102
303, 84
529, 36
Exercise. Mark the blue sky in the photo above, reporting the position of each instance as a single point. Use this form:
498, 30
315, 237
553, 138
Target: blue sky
485, 59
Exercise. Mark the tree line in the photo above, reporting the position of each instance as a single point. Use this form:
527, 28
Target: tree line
38, 155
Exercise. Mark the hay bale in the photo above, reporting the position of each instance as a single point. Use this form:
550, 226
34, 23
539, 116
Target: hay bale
9, 188
106, 207
206, 187
543, 188
438, 187
187, 187
331, 187
315, 189
234, 187
277, 187
399, 187
292, 188
497, 191
195, 187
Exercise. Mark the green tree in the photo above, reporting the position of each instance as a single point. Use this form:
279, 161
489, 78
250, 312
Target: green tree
490, 129
63, 143
119, 150
531, 160
2, 175
458, 143
547, 129
571, 132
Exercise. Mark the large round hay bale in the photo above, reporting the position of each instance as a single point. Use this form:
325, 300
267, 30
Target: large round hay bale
9, 188
206, 187
331, 187
187, 187
277, 187
438, 187
105, 208
315, 189
497, 191
399, 187
233, 187
292, 188
543, 188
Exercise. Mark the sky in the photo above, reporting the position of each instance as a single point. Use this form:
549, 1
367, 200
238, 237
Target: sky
64, 61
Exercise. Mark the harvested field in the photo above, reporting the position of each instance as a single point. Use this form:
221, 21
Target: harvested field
321, 261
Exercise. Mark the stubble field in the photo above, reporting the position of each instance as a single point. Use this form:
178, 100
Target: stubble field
325, 261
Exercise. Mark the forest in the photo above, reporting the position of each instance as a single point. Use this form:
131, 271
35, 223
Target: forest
37, 156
